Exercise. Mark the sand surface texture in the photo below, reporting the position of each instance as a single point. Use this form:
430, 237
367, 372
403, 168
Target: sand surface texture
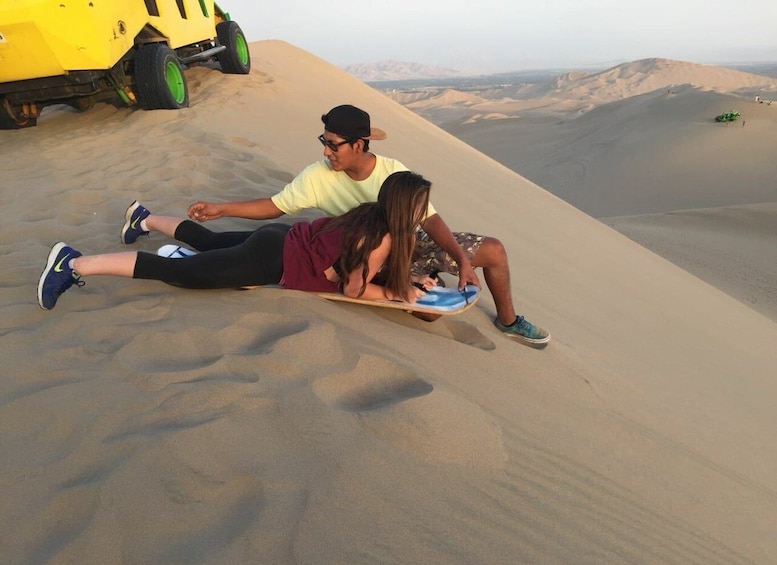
146, 424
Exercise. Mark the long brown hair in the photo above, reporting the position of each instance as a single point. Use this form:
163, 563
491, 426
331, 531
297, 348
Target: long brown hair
402, 205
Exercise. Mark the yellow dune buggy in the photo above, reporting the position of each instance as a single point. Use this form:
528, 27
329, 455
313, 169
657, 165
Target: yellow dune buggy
76, 51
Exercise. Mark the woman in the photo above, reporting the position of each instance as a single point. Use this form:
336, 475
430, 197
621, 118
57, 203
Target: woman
340, 254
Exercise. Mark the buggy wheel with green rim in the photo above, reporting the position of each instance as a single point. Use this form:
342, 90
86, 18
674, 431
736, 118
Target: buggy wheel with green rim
159, 79
236, 59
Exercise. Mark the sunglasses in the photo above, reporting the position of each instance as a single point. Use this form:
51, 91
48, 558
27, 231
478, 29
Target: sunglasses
331, 144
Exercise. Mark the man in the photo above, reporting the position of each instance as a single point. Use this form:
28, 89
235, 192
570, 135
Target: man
351, 175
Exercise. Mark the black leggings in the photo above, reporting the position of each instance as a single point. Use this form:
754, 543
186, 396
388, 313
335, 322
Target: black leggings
226, 260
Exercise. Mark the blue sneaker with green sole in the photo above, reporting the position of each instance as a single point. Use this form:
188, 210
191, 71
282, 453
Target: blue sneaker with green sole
58, 276
131, 229
523, 330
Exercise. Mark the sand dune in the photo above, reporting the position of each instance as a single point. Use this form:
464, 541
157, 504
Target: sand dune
146, 424
647, 154
648, 75
661, 153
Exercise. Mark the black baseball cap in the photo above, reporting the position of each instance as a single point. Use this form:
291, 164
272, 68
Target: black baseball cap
350, 122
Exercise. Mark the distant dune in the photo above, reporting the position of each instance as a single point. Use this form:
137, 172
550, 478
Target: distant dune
578, 91
648, 75
646, 154
639, 142
147, 424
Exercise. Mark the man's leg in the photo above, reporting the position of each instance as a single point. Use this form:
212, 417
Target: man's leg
489, 254
492, 258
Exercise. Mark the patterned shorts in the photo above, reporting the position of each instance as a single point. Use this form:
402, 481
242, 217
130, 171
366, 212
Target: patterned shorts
428, 256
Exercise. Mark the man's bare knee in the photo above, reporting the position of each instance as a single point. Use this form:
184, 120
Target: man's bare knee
491, 253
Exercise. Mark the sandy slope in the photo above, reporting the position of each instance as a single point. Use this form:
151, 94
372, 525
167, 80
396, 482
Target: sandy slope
661, 153
733, 248
145, 424
646, 154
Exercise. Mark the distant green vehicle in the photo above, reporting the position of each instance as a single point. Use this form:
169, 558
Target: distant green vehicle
727, 117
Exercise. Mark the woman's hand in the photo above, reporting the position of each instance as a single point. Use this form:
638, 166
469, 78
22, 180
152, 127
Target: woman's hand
414, 294
204, 211
424, 280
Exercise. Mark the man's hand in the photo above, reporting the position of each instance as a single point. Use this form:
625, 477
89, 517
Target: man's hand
441, 234
467, 275
258, 209
204, 211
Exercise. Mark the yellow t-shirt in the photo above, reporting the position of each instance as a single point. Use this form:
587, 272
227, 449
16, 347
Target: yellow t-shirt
334, 192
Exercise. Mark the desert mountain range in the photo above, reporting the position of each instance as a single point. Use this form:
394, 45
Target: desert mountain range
579, 91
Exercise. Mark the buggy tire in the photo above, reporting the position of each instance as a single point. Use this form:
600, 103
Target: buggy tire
159, 79
236, 59
10, 120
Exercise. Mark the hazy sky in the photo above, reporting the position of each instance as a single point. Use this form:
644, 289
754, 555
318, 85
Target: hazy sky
504, 35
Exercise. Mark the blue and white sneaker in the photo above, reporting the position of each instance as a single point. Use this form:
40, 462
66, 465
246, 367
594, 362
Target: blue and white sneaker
131, 230
57, 277
523, 330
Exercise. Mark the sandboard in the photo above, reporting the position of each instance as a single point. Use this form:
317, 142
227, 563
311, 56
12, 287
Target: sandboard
438, 300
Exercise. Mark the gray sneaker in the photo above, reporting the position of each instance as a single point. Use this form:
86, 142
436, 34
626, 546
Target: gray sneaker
523, 330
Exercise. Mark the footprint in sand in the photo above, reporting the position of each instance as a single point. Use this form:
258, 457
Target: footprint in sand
258, 333
162, 352
443, 426
375, 382
405, 411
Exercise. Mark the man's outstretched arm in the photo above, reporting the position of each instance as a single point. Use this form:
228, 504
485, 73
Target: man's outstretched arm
259, 209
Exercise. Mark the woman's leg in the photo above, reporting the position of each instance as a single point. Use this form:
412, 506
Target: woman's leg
257, 261
194, 234
116, 264
163, 224
139, 221
201, 238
